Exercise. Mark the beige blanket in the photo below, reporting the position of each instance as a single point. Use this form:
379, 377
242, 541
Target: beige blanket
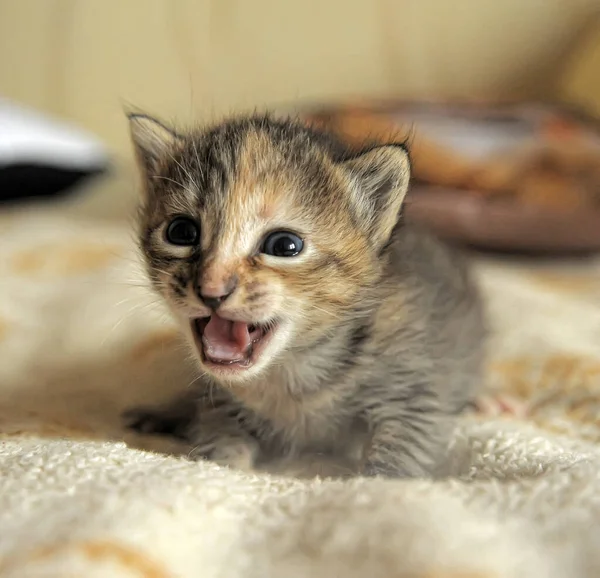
81, 339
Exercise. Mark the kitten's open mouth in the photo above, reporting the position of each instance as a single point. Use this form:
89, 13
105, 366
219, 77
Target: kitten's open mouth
226, 344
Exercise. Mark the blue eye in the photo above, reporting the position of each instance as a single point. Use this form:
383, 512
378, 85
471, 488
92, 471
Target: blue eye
183, 231
282, 244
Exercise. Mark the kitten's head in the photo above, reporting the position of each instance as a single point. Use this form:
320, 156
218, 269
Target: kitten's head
263, 235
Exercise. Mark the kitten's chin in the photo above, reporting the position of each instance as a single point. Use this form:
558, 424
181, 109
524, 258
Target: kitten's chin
234, 350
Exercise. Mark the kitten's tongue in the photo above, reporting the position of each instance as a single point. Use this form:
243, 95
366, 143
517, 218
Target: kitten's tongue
226, 340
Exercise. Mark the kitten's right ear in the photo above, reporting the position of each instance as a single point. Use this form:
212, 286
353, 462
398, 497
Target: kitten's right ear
153, 141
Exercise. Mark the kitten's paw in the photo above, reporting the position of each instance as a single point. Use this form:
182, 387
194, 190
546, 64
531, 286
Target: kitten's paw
383, 471
235, 452
395, 467
497, 404
375, 472
146, 421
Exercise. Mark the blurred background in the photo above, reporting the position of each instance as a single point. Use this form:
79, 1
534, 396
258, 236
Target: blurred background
84, 61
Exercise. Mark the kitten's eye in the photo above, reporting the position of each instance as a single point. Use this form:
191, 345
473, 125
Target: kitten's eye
282, 244
183, 231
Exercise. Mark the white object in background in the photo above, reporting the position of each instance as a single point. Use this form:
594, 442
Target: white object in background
28, 137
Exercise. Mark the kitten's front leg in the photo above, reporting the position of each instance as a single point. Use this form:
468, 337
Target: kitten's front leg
217, 436
207, 425
405, 442
174, 419
392, 454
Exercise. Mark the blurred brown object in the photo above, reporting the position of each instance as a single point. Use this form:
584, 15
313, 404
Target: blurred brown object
560, 168
431, 162
537, 189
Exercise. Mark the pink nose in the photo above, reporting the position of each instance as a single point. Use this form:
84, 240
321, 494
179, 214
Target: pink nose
213, 294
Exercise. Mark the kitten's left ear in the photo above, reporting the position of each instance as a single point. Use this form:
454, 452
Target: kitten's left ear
380, 181
153, 141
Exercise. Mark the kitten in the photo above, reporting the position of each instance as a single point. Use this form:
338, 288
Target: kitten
321, 321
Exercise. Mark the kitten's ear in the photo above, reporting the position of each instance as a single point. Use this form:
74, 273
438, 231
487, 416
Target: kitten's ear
380, 178
153, 141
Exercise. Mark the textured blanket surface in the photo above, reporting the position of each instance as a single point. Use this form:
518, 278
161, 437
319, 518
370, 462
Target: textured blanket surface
81, 339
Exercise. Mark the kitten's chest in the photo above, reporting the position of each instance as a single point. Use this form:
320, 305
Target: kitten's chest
298, 421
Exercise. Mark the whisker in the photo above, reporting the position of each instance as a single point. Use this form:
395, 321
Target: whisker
137, 308
163, 178
186, 172
199, 164
328, 313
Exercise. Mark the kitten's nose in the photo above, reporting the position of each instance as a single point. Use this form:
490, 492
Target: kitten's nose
214, 302
214, 294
